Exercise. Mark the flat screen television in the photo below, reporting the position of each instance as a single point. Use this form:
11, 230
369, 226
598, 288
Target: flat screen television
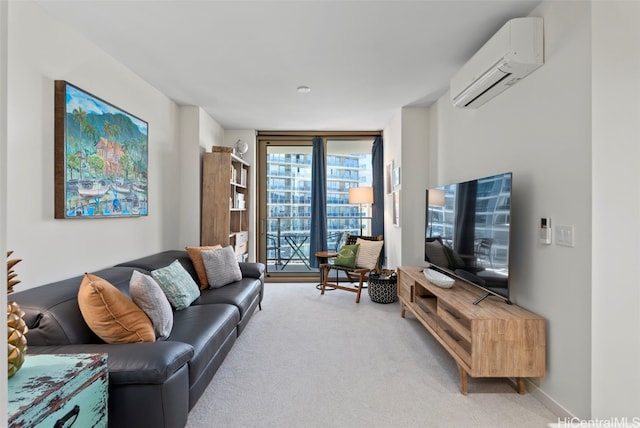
467, 232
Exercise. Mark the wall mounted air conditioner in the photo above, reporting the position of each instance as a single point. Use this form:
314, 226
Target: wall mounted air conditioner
511, 54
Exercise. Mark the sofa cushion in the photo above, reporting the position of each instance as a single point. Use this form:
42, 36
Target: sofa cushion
112, 315
177, 285
147, 294
240, 294
132, 363
162, 259
205, 328
221, 266
52, 314
195, 254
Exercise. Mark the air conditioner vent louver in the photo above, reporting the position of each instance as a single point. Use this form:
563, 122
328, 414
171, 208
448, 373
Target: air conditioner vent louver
510, 55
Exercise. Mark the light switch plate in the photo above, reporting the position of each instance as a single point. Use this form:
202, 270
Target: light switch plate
565, 235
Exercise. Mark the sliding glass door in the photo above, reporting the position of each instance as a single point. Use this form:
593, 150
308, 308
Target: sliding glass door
288, 208
284, 194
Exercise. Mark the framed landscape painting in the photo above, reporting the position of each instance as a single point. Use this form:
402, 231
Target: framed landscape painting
101, 157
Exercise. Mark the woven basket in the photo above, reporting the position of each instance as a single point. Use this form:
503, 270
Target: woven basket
383, 288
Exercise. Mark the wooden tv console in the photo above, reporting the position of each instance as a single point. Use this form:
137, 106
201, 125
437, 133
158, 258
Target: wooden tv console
490, 339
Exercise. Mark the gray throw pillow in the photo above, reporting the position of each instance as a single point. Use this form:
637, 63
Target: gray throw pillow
221, 266
147, 294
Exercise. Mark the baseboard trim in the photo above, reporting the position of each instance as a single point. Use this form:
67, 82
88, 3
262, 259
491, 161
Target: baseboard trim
556, 408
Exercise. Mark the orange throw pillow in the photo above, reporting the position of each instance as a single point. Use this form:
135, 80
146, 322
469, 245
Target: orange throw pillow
195, 254
110, 314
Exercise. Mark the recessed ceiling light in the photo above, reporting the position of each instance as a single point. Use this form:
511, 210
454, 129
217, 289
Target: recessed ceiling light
304, 89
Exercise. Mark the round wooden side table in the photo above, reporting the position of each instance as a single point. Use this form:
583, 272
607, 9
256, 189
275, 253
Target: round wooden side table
323, 257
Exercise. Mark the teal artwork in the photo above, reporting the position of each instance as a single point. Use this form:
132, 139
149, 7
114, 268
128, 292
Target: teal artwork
101, 157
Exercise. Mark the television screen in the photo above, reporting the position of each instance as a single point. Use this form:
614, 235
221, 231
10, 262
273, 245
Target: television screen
467, 231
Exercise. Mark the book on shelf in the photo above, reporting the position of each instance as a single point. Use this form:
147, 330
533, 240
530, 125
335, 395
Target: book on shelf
239, 200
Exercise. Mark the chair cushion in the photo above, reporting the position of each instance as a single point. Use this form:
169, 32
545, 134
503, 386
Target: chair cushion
110, 314
368, 253
347, 256
147, 294
221, 266
195, 254
435, 253
179, 287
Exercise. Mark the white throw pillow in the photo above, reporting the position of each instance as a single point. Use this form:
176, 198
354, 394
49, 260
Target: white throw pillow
147, 294
368, 253
221, 266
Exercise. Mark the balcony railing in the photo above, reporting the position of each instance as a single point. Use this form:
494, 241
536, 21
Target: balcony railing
288, 239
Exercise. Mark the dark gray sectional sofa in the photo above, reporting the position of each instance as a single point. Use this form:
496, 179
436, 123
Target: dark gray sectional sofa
150, 384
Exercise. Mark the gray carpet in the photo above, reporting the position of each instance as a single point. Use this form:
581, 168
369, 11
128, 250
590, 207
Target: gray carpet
307, 360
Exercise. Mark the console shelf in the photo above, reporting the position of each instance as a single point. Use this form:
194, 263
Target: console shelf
490, 339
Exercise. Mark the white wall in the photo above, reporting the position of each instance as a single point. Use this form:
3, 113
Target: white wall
616, 210
211, 133
190, 175
540, 130
392, 144
3, 193
40, 51
406, 143
414, 178
198, 133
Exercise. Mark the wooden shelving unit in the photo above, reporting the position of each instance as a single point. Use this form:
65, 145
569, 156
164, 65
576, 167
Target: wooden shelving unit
225, 201
490, 339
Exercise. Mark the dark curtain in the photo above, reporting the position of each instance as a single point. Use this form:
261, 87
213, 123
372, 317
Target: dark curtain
466, 194
377, 209
318, 239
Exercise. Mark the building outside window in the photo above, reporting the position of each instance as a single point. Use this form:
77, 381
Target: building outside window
288, 196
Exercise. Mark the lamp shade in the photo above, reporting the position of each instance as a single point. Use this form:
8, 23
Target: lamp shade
436, 197
361, 195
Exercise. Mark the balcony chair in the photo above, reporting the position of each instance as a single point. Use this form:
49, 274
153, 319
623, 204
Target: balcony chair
336, 239
484, 251
367, 259
273, 247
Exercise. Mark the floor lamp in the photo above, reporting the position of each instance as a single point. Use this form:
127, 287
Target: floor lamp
361, 195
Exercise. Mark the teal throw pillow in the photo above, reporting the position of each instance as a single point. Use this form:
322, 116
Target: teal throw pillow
176, 283
347, 256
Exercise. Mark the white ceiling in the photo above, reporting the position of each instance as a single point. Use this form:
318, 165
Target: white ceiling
241, 61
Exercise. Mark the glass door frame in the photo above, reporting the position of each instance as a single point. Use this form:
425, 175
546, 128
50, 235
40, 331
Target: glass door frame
264, 139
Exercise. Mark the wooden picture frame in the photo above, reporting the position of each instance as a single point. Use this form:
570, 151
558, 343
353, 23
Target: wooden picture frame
101, 157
